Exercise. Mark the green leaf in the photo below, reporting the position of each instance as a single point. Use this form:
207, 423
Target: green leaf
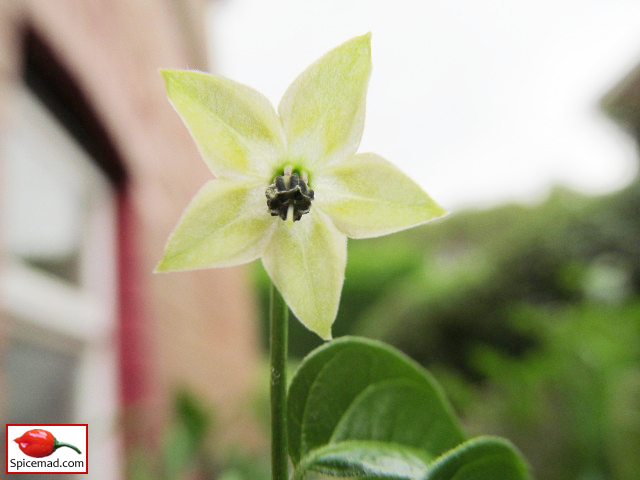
329, 395
236, 128
323, 110
306, 262
402, 411
225, 224
367, 196
482, 458
362, 461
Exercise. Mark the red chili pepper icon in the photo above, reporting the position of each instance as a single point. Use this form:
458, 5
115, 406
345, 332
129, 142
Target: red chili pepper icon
39, 443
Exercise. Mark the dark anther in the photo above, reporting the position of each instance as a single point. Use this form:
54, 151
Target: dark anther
289, 191
294, 181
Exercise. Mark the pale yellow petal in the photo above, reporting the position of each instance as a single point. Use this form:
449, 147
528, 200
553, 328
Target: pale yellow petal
306, 262
227, 223
323, 109
367, 196
235, 127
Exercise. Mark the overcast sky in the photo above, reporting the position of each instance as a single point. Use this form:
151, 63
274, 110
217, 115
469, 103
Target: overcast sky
480, 102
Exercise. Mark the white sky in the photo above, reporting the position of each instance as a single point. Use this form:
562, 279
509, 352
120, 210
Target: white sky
479, 101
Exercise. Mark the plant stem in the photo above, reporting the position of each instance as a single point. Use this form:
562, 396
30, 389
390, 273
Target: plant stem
278, 313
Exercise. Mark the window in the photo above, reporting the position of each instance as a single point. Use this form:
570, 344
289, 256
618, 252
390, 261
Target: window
58, 282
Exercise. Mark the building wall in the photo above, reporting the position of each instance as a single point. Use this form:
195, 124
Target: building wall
194, 330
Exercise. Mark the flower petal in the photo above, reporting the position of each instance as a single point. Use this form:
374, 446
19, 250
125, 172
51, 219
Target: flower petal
235, 127
227, 223
323, 109
306, 262
367, 196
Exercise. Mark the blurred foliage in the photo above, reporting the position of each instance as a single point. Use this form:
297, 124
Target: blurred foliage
182, 450
530, 317
573, 402
240, 465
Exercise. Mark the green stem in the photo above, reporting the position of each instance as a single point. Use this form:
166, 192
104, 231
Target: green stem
57, 445
278, 313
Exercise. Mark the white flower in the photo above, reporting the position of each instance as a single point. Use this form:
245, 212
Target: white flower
312, 139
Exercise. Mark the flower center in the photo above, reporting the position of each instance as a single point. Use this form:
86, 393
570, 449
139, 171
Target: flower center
289, 197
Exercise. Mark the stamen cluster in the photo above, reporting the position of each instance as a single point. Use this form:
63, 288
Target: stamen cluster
289, 197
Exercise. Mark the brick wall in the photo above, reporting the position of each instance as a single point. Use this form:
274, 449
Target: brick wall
191, 329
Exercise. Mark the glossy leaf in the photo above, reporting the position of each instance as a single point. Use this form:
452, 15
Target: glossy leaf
482, 458
334, 389
403, 412
362, 461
